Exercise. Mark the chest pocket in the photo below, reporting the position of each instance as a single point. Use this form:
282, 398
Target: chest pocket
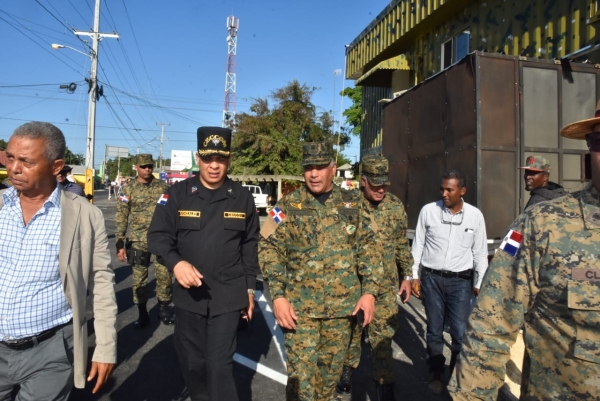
234, 224
189, 223
584, 303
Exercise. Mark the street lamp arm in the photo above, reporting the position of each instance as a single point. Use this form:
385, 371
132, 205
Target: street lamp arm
57, 46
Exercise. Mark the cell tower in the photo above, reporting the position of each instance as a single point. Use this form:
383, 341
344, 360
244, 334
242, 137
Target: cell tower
233, 24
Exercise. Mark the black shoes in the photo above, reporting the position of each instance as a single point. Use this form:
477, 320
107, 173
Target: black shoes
345, 384
143, 318
164, 314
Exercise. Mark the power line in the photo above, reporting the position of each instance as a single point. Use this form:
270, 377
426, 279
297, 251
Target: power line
60, 22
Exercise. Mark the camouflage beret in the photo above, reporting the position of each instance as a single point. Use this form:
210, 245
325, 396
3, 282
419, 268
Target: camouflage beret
144, 159
375, 168
317, 153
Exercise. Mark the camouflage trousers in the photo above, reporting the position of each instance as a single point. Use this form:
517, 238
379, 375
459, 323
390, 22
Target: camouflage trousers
380, 330
164, 279
315, 357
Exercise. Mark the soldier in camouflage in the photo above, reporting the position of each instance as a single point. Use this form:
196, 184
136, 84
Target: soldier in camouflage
135, 209
387, 218
314, 251
545, 278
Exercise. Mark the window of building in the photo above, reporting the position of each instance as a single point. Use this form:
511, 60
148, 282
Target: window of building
456, 48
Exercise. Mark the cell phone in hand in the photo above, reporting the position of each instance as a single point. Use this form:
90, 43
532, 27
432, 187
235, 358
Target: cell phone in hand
360, 318
403, 297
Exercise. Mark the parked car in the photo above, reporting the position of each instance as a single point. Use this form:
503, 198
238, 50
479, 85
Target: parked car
261, 201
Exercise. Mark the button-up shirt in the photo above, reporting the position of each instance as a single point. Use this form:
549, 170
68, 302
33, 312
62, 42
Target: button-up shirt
32, 298
450, 241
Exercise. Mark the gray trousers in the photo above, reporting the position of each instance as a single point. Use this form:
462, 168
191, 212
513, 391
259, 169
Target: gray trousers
43, 372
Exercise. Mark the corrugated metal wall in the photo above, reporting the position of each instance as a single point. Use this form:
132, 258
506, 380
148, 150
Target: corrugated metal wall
372, 123
535, 28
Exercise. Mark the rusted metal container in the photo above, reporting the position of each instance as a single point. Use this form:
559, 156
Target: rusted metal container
484, 116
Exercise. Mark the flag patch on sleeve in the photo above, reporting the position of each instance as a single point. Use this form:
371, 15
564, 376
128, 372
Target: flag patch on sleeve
163, 199
123, 198
277, 215
512, 242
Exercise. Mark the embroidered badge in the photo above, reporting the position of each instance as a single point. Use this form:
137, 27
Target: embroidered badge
194, 189
512, 242
124, 198
296, 205
349, 204
234, 215
350, 229
277, 215
163, 199
189, 213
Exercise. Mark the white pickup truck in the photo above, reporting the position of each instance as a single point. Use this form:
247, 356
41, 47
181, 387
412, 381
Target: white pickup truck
260, 200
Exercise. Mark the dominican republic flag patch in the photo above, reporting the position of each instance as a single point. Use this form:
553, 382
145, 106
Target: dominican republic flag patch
124, 198
163, 199
277, 214
512, 242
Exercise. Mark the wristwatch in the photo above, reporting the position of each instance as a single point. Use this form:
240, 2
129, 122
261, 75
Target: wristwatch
409, 278
251, 291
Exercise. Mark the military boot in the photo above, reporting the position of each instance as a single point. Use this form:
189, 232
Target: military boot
143, 317
345, 384
385, 392
164, 314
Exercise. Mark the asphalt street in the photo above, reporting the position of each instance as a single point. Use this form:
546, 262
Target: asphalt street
147, 367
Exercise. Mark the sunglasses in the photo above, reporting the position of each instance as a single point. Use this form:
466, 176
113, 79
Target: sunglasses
593, 142
150, 166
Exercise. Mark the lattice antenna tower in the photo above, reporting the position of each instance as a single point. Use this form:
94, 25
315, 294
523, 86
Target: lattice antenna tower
233, 24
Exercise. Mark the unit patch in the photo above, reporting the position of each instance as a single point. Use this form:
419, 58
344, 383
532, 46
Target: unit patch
188, 213
234, 215
512, 242
124, 198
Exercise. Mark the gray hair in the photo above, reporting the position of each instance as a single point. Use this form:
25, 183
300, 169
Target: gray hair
55, 140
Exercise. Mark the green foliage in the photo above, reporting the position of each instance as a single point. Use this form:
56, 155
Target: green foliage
353, 113
76, 159
126, 167
268, 139
3, 144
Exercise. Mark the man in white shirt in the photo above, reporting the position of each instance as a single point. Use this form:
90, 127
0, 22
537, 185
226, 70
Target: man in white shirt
450, 244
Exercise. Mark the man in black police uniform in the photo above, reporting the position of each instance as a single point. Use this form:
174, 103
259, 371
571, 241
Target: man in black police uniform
206, 230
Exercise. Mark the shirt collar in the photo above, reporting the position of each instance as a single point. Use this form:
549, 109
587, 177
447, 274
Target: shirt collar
446, 210
11, 197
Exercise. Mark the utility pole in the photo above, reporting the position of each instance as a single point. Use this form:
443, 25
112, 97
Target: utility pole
162, 139
94, 96
233, 25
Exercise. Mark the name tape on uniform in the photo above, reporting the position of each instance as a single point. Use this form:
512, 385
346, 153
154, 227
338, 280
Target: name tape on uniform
585, 274
188, 213
234, 215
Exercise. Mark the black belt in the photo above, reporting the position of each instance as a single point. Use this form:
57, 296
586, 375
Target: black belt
28, 342
465, 274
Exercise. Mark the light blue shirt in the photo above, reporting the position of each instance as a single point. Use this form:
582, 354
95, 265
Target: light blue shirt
32, 298
450, 242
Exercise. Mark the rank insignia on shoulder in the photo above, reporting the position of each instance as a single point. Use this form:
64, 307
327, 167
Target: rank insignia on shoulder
512, 242
163, 199
349, 204
124, 198
277, 214
296, 205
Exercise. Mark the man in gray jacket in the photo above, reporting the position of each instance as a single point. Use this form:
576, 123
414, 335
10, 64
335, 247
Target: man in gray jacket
537, 181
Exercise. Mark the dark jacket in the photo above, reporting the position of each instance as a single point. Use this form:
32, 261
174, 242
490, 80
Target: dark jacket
217, 232
549, 192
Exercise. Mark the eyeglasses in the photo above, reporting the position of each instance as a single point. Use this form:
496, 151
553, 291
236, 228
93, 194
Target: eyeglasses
593, 141
451, 221
147, 166
217, 158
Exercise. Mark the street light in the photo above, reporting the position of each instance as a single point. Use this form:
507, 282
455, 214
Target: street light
57, 46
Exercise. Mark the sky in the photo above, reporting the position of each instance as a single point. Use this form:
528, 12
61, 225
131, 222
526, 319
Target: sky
169, 64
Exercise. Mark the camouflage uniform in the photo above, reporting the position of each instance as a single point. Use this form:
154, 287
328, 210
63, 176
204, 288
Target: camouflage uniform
389, 223
135, 208
313, 254
551, 287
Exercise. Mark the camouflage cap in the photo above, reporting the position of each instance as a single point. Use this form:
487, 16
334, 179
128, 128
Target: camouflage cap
144, 159
317, 153
537, 163
375, 168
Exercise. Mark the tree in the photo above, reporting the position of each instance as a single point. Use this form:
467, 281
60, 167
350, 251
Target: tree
268, 139
3, 144
76, 159
353, 113
125, 167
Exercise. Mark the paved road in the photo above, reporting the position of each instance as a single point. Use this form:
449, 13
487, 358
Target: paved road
147, 366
